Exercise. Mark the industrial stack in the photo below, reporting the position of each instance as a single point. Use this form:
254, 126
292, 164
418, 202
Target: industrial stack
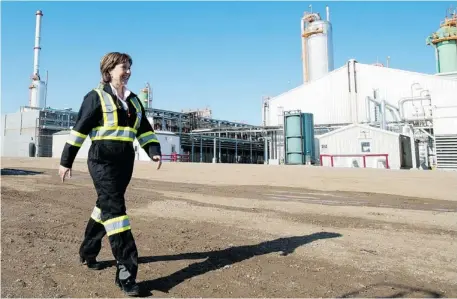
317, 46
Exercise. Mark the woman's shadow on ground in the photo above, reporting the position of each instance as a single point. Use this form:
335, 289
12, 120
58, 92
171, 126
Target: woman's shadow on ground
221, 258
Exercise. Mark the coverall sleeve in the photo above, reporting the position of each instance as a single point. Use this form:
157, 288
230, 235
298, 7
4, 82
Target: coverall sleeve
147, 137
88, 118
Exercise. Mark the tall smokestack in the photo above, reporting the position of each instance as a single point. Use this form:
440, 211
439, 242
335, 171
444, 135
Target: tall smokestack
37, 87
36, 57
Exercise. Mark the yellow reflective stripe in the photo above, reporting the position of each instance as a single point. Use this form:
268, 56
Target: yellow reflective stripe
113, 133
102, 102
109, 109
96, 215
76, 138
117, 225
114, 110
136, 104
146, 138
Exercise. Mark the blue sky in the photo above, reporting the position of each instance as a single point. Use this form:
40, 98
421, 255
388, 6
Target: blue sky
225, 55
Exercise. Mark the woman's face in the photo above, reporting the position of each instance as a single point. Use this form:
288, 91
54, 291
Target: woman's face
121, 73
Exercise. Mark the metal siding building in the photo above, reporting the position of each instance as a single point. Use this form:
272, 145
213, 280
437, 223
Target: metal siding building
359, 139
340, 97
326, 98
18, 130
169, 142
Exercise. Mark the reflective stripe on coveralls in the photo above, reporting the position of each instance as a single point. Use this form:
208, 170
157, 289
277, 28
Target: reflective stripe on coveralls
114, 225
110, 129
97, 215
139, 114
113, 133
117, 225
76, 138
146, 138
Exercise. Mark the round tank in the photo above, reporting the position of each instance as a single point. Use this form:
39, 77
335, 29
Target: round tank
293, 139
37, 93
308, 137
446, 50
445, 42
317, 46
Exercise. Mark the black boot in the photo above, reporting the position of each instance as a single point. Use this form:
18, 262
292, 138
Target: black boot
91, 263
129, 287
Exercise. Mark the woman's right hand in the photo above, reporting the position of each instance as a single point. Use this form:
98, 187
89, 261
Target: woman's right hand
63, 171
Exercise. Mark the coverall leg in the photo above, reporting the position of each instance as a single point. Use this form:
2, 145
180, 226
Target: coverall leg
111, 178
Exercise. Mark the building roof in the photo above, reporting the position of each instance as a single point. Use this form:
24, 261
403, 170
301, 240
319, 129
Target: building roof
444, 77
362, 126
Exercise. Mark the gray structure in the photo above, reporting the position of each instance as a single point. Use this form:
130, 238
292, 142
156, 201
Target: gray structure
29, 133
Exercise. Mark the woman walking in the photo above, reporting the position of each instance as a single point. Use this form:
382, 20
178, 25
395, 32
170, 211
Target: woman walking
112, 116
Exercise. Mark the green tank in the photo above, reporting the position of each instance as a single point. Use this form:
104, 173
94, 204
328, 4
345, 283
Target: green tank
298, 137
445, 42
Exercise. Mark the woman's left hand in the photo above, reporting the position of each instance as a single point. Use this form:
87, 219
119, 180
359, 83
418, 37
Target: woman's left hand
157, 159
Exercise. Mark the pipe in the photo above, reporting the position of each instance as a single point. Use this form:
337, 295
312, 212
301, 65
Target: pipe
265, 152
383, 111
367, 109
328, 13
37, 48
402, 102
393, 109
349, 89
304, 52
390, 107
214, 150
355, 91
427, 133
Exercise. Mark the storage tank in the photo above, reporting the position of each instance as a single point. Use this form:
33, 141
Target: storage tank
317, 46
308, 137
299, 137
37, 93
445, 42
293, 137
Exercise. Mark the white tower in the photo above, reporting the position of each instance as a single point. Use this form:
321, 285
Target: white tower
38, 87
317, 46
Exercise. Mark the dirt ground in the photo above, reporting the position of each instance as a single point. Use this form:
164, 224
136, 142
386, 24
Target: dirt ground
206, 230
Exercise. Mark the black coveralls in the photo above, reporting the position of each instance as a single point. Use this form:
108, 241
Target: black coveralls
110, 161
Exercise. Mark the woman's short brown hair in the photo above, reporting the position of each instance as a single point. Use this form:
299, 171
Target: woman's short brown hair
109, 62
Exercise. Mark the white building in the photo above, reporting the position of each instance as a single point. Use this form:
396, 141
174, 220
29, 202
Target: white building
169, 142
348, 94
340, 96
364, 146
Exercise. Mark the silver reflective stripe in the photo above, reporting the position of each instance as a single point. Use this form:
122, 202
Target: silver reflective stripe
119, 133
117, 225
146, 138
139, 113
96, 215
109, 109
76, 138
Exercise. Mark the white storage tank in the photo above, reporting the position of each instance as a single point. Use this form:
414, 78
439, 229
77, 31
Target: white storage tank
317, 46
37, 94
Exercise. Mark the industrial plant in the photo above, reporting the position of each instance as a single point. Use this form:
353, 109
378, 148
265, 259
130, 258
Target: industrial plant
357, 115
